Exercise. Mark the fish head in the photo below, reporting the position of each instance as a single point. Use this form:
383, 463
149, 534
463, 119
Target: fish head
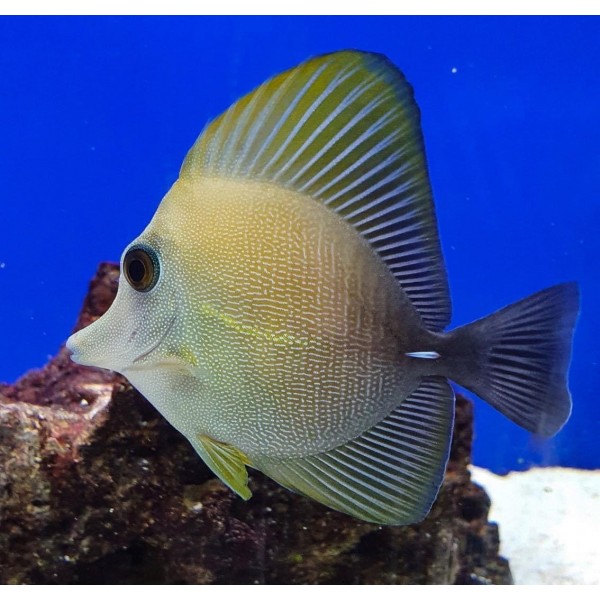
141, 328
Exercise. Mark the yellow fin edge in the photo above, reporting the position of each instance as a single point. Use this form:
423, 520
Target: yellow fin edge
227, 462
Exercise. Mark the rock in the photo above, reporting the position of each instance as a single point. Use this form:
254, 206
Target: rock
96, 487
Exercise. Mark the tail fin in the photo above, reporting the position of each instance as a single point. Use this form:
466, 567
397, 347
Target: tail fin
518, 357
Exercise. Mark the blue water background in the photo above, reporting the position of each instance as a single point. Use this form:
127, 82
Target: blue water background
96, 115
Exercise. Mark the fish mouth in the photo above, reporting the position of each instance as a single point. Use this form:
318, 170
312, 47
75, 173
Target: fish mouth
156, 344
69, 345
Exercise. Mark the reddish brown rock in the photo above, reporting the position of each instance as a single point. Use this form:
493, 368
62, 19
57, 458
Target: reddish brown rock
96, 487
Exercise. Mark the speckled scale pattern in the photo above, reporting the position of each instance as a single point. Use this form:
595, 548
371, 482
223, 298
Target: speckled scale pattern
288, 321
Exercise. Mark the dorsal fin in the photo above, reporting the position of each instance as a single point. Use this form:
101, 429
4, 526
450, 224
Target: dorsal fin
344, 129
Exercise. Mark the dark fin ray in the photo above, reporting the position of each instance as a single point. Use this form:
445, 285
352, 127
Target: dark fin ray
517, 358
391, 474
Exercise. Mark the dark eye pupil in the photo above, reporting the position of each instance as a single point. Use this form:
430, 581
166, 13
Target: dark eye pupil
141, 267
137, 270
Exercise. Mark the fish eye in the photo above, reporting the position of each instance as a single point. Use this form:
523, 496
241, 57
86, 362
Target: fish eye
141, 267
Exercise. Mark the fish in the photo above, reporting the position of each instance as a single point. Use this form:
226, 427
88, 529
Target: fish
287, 307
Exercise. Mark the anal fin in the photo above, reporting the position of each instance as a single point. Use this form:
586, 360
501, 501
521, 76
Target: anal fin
227, 462
390, 474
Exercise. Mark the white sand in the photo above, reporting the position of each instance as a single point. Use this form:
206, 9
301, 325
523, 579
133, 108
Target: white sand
549, 522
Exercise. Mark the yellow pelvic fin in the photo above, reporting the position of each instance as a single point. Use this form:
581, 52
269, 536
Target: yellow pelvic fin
227, 462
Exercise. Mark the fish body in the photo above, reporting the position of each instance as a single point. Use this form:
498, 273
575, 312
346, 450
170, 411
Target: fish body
307, 329
285, 308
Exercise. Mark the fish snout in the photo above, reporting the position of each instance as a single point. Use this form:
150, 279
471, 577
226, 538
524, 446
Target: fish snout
90, 347
74, 347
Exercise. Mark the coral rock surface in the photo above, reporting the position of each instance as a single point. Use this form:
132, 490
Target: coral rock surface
96, 487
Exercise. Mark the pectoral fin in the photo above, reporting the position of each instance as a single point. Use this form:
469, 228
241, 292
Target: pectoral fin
227, 462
